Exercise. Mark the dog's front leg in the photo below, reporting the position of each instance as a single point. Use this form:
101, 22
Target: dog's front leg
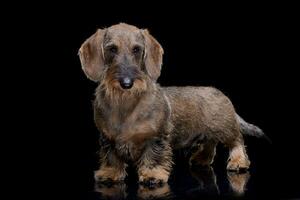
112, 168
155, 164
111, 172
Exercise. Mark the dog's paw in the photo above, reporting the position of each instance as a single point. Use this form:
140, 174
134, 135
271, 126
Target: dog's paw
107, 182
238, 164
109, 176
152, 182
153, 177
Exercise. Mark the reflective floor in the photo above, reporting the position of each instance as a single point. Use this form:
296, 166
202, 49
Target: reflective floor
204, 183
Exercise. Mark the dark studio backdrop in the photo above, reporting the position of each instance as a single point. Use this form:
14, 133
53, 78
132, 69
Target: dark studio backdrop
241, 52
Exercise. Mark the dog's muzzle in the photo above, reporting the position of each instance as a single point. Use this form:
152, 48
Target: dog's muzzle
126, 83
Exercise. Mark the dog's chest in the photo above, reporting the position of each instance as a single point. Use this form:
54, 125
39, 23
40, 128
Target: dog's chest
127, 134
129, 151
125, 124
128, 129
117, 123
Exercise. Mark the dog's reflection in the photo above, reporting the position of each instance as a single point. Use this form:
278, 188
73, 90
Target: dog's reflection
118, 191
162, 192
206, 186
207, 181
238, 182
111, 191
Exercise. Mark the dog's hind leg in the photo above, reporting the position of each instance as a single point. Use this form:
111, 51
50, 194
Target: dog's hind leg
203, 154
238, 158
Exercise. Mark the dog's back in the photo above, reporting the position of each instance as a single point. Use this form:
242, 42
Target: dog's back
199, 110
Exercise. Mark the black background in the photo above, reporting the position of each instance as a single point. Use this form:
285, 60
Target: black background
246, 52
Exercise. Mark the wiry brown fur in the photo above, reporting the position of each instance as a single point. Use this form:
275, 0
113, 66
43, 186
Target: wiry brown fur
143, 124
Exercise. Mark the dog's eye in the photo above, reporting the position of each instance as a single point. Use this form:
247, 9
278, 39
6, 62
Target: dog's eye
136, 50
113, 49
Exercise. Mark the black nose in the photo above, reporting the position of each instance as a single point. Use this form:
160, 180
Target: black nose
126, 83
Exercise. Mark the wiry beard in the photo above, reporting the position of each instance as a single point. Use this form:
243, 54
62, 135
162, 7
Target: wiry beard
110, 89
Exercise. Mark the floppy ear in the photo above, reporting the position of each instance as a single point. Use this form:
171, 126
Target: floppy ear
91, 55
152, 56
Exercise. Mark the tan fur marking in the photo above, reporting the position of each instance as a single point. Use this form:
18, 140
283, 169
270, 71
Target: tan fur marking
110, 173
158, 173
238, 159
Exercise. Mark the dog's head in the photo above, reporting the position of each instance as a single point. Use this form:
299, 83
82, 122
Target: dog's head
121, 57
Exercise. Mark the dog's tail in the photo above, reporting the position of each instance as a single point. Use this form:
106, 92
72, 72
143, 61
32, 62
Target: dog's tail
250, 129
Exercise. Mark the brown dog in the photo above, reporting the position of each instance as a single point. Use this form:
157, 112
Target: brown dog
141, 122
